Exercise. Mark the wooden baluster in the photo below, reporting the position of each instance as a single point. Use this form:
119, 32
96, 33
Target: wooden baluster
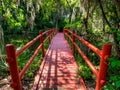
52, 33
41, 41
73, 40
49, 37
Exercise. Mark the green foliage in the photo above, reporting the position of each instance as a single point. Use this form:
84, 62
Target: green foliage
19, 41
3, 66
114, 63
84, 71
113, 75
84, 16
34, 66
23, 59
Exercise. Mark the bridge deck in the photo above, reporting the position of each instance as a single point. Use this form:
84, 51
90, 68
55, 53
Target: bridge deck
58, 69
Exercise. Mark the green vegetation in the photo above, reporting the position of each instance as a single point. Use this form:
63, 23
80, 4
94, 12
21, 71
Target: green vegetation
97, 21
20, 41
114, 79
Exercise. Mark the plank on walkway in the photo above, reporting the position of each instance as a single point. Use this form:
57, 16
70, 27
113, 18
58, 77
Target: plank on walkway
58, 69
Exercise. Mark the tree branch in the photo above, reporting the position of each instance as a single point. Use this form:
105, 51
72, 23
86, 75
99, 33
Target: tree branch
103, 13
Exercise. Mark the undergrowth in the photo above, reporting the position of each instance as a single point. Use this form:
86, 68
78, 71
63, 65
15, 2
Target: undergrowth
113, 79
83, 70
22, 60
3, 67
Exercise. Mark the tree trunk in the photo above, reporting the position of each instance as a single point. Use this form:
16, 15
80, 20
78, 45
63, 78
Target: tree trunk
103, 13
117, 2
1, 34
1, 41
116, 43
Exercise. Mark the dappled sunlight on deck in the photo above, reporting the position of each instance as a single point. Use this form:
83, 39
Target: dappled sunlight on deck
58, 69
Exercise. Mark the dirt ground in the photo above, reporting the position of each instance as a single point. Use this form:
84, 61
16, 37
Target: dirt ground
27, 84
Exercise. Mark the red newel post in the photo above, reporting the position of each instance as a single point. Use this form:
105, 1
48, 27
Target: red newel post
50, 36
101, 80
68, 34
41, 41
73, 40
52, 32
13, 65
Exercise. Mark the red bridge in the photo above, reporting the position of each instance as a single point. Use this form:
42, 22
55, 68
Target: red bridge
58, 68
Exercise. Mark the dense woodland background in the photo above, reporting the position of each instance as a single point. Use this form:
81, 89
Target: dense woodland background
97, 21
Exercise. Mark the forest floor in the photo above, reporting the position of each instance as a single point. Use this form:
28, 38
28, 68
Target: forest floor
5, 83
27, 84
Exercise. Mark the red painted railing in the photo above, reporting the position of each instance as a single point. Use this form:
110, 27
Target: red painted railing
103, 54
12, 55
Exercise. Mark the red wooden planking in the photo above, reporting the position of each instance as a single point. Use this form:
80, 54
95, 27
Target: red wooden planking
58, 69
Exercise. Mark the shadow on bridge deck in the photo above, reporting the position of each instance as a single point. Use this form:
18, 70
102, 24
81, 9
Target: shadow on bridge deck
58, 69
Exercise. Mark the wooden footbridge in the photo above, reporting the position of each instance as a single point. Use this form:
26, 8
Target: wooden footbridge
58, 68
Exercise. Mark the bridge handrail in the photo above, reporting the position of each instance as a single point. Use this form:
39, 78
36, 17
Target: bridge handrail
19, 52
12, 54
92, 47
103, 54
85, 57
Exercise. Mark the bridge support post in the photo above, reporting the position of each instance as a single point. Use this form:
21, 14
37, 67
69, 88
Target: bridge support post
41, 41
73, 40
101, 80
13, 65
